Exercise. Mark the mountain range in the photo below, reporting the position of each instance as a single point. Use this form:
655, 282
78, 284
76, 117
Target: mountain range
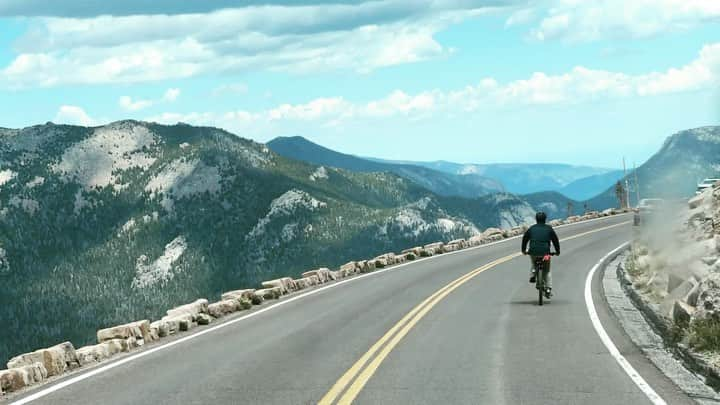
440, 182
464, 180
686, 158
104, 225
109, 224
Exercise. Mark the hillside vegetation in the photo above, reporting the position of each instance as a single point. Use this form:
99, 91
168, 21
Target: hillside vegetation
100, 226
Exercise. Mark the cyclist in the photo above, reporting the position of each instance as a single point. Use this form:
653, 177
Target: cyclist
539, 237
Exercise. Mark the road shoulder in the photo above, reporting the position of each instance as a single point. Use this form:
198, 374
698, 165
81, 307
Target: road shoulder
640, 332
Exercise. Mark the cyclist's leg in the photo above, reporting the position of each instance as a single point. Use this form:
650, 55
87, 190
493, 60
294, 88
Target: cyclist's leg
547, 275
532, 268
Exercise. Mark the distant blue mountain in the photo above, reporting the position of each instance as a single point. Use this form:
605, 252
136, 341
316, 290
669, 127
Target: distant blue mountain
589, 187
576, 182
469, 185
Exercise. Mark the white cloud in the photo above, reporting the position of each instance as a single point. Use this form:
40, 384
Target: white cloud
171, 94
73, 115
578, 85
580, 21
357, 37
128, 104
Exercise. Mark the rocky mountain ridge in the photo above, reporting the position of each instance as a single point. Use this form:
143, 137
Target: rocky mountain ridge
118, 222
685, 158
441, 183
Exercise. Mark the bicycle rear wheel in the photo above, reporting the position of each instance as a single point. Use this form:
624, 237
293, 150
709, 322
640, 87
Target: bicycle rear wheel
540, 296
539, 281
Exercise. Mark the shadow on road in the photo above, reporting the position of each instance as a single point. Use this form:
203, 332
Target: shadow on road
535, 302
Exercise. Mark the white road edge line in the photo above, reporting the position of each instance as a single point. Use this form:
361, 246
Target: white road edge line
194, 335
614, 352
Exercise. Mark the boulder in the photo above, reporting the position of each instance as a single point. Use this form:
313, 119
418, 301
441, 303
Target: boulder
204, 319
192, 309
33, 373
682, 313
416, 251
692, 296
676, 294
181, 322
427, 252
185, 324
56, 359
337, 275
435, 248
270, 293
555, 222
301, 284
410, 256
139, 330
163, 328
492, 232
286, 284
709, 260
350, 268
306, 282
11, 380
451, 247
708, 301
222, 308
380, 262
476, 240
238, 295
389, 258
93, 354
460, 242
256, 299
116, 346
323, 274
18, 378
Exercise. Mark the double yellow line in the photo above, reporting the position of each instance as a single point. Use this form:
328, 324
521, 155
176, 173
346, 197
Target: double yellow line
398, 332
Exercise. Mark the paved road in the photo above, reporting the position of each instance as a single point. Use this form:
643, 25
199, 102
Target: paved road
484, 342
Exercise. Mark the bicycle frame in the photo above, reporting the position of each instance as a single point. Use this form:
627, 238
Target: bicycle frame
542, 267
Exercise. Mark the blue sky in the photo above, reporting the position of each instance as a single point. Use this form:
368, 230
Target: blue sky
462, 80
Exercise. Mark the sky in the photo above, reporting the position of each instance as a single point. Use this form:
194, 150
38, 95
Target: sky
470, 81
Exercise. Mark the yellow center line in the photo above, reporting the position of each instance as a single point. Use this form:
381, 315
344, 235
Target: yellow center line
404, 326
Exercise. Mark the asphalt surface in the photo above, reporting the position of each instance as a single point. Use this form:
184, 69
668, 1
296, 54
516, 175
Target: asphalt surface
486, 342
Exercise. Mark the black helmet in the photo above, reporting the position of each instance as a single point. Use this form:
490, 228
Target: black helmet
541, 217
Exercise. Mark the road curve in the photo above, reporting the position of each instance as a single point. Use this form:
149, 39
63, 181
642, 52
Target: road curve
484, 342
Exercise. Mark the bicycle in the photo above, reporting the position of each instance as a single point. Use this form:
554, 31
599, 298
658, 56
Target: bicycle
542, 267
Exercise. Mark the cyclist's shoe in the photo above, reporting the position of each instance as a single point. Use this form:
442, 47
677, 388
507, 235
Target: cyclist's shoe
548, 292
532, 277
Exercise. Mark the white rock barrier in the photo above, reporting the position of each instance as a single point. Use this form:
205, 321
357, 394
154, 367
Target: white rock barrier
33, 368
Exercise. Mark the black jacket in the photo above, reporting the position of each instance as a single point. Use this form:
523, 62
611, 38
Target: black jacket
539, 236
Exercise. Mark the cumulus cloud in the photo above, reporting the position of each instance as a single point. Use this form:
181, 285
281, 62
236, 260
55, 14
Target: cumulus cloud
128, 104
91, 8
578, 85
356, 36
73, 115
171, 94
581, 21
